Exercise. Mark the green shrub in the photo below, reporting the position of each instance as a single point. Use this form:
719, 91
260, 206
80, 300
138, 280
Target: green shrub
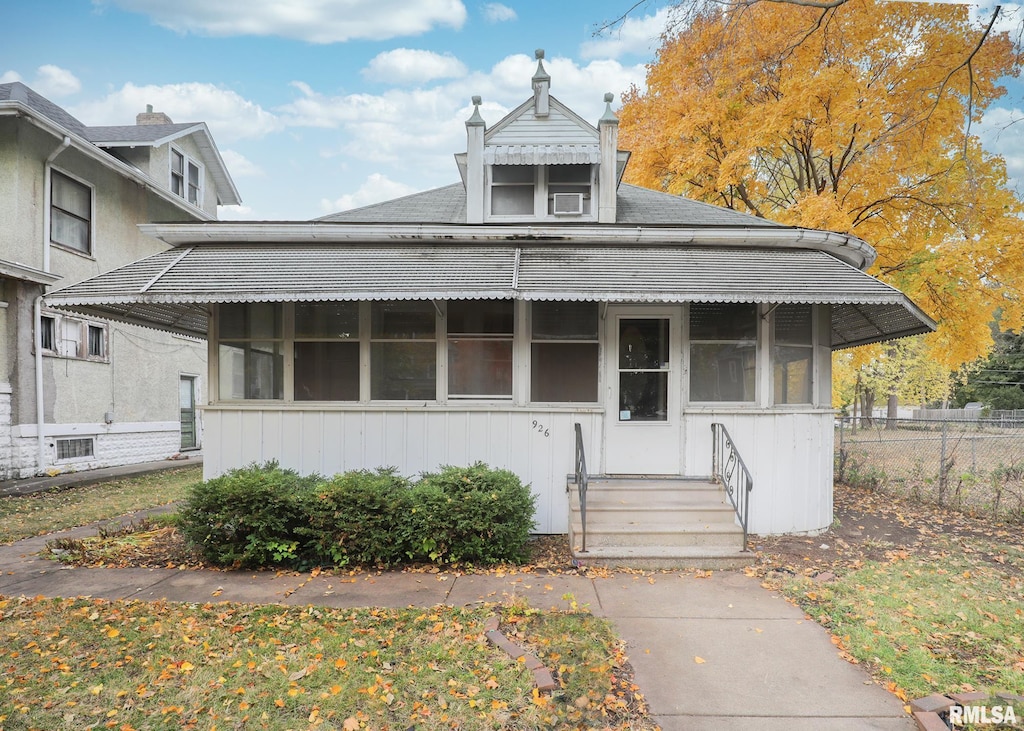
354, 518
263, 515
470, 515
248, 516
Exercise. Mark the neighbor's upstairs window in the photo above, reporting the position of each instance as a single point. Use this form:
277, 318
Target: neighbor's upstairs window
250, 351
480, 348
186, 178
326, 351
723, 351
403, 351
564, 352
70, 213
792, 354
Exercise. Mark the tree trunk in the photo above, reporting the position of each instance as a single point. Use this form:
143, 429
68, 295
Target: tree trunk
867, 406
891, 411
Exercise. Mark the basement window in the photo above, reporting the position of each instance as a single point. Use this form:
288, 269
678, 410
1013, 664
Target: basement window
75, 448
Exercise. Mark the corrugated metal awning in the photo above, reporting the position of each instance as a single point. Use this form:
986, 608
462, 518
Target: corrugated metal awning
567, 154
172, 290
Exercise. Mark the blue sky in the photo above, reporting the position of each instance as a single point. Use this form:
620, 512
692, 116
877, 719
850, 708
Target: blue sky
322, 105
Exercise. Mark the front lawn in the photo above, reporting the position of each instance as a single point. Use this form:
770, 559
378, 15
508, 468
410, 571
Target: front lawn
44, 512
79, 663
928, 600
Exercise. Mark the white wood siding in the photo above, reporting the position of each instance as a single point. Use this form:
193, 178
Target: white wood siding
555, 129
329, 441
790, 455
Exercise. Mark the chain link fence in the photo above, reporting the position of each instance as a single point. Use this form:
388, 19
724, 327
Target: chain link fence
976, 466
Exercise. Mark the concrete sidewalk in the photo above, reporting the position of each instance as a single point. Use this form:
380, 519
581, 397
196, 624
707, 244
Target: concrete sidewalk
765, 666
29, 485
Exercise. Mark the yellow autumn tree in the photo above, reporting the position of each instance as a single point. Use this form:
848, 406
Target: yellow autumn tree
855, 120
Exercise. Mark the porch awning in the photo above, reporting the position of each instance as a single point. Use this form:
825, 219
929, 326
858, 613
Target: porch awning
568, 154
173, 290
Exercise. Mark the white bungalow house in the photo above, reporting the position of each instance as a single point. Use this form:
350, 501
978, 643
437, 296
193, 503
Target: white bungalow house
485, 320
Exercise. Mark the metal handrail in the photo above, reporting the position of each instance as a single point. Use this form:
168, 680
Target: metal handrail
728, 469
582, 478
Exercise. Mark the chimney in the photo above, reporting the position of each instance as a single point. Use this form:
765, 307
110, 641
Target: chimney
475, 128
151, 117
607, 174
541, 86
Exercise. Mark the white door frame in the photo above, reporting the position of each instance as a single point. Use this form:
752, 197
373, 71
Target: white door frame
643, 447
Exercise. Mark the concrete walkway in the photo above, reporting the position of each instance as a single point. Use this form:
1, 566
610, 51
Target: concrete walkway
28, 485
765, 666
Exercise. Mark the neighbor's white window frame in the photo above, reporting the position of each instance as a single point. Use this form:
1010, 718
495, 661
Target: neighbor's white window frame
91, 252
188, 163
71, 337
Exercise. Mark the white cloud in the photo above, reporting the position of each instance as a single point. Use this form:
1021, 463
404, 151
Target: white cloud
498, 13
1002, 133
1008, 21
636, 35
54, 81
315, 21
50, 81
229, 116
409, 65
239, 166
235, 213
427, 125
374, 189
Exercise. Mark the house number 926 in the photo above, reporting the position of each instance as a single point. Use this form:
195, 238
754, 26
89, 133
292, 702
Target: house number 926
541, 428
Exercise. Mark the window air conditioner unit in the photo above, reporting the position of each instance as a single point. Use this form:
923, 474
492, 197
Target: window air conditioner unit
568, 204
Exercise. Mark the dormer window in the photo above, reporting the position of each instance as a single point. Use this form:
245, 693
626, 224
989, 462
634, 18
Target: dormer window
541, 191
186, 177
512, 190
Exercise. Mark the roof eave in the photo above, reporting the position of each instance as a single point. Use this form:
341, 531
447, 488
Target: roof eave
96, 153
844, 247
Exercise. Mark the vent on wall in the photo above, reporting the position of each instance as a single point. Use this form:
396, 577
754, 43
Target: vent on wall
74, 448
568, 204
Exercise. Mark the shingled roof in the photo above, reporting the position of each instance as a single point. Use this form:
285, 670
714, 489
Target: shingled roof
636, 207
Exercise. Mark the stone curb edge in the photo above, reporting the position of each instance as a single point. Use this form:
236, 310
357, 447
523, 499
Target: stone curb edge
926, 710
542, 677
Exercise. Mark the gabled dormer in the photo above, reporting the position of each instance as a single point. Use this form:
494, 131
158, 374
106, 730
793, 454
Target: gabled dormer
542, 162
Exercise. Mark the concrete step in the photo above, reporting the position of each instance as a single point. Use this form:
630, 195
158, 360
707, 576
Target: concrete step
664, 557
662, 514
641, 497
685, 534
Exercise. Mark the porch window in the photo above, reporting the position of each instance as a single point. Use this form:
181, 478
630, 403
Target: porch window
403, 351
564, 352
480, 348
792, 354
250, 351
326, 353
723, 351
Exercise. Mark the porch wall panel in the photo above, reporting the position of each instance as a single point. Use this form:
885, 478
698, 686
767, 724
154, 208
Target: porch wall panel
790, 457
329, 441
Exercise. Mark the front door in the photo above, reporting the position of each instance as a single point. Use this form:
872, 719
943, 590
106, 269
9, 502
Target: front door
642, 436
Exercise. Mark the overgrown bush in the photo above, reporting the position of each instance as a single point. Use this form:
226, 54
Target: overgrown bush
248, 516
264, 515
356, 518
470, 515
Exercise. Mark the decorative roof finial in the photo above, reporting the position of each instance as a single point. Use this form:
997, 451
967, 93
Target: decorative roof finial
476, 118
541, 84
609, 115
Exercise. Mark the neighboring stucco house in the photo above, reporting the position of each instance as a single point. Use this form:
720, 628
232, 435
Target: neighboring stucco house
485, 319
79, 391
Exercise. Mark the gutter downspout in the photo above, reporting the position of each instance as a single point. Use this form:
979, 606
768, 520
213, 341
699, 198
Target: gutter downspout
37, 307
37, 318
